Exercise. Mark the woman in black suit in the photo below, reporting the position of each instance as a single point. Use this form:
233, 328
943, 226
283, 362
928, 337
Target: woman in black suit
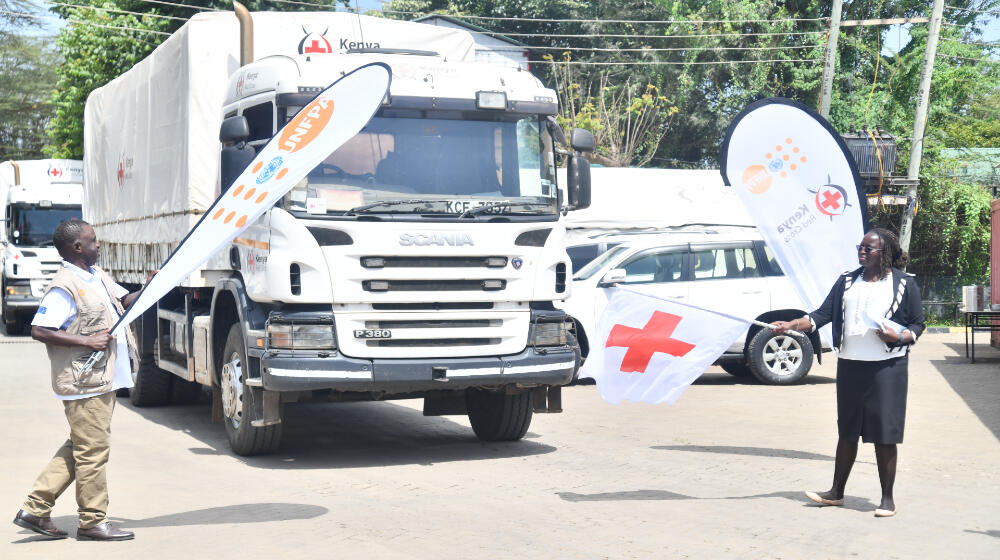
877, 315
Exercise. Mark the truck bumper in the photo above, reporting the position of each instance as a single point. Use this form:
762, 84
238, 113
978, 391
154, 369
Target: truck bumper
23, 303
285, 372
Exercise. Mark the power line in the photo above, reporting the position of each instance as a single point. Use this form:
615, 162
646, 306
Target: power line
80, 22
986, 60
668, 49
669, 63
957, 9
119, 11
202, 8
988, 44
603, 21
625, 36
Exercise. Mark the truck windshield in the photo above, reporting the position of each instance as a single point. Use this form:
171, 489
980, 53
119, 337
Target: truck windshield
33, 226
448, 164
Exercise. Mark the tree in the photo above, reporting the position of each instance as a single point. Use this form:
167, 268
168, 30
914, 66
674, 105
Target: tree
27, 75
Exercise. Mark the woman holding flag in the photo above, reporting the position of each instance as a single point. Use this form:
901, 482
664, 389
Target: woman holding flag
876, 315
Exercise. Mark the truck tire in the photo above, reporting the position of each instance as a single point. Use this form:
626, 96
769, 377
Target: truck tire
151, 384
238, 405
779, 359
497, 416
736, 369
11, 320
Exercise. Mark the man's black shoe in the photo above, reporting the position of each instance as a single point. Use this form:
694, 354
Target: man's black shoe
103, 532
40, 525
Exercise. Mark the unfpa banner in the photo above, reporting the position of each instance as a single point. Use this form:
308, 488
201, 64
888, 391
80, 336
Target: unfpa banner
801, 187
322, 126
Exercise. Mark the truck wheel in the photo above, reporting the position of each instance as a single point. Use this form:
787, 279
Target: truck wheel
736, 369
11, 321
779, 359
151, 384
238, 403
497, 416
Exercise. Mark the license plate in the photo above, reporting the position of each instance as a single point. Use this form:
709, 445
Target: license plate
372, 333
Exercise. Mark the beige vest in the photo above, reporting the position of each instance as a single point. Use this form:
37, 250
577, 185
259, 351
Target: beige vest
92, 316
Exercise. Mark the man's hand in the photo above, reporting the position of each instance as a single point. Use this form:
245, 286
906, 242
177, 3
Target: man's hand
98, 341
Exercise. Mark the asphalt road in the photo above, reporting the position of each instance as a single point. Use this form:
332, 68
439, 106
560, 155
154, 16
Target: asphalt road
721, 474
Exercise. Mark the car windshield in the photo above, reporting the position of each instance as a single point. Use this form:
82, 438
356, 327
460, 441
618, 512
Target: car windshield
449, 164
597, 264
32, 226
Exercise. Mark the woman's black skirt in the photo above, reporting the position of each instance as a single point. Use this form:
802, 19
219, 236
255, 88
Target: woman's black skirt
871, 399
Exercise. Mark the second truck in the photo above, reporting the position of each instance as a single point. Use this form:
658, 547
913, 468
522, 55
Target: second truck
419, 260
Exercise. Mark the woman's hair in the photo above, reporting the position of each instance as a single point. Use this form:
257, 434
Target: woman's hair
892, 254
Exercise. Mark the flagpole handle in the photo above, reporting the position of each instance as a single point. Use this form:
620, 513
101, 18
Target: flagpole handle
772, 327
89, 365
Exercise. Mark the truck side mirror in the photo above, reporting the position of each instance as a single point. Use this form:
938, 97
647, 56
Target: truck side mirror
578, 182
581, 140
616, 276
234, 129
556, 131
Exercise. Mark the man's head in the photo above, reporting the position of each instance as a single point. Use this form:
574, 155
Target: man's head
77, 242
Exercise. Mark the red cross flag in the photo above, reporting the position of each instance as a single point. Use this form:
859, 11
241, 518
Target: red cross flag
654, 348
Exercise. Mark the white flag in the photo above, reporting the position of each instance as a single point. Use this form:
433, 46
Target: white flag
649, 349
330, 119
802, 189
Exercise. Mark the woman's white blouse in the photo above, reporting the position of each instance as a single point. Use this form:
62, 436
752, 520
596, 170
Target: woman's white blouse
861, 300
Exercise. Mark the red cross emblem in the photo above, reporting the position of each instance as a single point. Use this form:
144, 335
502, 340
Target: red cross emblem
315, 47
650, 339
55, 172
830, 200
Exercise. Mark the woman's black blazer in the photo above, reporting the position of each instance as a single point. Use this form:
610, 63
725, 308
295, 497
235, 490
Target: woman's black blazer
906, 308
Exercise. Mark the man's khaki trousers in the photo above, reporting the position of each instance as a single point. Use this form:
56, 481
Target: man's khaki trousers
83, 457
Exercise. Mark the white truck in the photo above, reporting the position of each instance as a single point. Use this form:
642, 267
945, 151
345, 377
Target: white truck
419, 260
37, 195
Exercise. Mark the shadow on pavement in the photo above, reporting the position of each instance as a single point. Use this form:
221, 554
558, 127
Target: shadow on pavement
710, 378
991, 533
346, 435
853, 503
757, 451
242, 513
978, 384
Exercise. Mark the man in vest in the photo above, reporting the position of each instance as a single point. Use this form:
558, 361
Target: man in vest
73, 320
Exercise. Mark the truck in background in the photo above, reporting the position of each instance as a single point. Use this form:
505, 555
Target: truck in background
419, 260
37, 195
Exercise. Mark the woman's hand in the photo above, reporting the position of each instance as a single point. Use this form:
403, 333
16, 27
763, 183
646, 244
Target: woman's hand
889, 335
781, 327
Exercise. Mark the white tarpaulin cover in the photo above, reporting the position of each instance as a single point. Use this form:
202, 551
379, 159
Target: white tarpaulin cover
627, 197
332, 118
151, 136
794, 174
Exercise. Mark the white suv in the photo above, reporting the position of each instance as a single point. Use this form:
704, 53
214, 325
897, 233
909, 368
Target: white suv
725, 269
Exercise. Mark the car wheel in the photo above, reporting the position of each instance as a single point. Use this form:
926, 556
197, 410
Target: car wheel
779, 359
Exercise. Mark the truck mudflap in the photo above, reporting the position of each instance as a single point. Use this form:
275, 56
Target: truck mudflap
284, 372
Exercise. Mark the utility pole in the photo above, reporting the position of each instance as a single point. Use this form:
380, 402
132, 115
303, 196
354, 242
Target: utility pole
830, 63
919, 123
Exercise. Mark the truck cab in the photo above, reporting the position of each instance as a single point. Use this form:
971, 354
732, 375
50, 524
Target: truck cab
38, 195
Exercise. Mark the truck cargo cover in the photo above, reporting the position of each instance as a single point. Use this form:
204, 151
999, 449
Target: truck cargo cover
151, 147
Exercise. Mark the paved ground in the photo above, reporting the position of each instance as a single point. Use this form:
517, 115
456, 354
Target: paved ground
718, 475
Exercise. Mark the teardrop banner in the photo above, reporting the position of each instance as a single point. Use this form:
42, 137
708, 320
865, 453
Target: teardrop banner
334, 116
801, 186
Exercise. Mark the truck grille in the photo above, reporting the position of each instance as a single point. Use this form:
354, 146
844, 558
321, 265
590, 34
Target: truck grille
429, 334
433, 262
434, 285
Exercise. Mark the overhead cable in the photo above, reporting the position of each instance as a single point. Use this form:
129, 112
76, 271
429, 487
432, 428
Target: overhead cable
119, 11
666, 49
957, 9
669, 63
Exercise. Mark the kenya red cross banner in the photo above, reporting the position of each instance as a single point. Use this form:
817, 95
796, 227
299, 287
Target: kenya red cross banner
650, 349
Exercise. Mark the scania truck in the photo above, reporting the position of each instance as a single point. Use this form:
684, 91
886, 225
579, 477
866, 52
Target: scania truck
421, 259
37, 195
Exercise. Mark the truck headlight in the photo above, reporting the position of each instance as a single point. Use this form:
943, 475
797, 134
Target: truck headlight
293, 336
549, 334
19, 290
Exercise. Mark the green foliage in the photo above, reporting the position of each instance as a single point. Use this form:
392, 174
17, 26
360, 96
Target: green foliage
27, 75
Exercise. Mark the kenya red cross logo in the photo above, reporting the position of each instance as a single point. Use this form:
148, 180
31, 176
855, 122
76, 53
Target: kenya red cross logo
55, 172
650, 339
314, 43
831, 200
